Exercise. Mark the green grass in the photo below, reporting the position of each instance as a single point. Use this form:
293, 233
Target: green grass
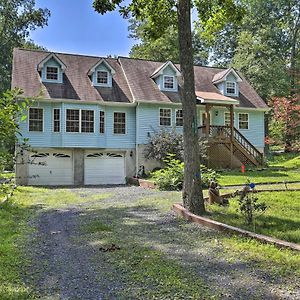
282, 168
281, 220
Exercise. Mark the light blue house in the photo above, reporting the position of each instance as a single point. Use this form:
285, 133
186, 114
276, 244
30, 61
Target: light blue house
91, 117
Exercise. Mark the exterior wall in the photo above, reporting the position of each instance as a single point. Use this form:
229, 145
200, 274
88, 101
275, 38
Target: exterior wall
52, 63
64, 139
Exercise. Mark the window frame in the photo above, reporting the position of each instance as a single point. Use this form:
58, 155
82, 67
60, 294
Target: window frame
176, 110
53, 120
248, 121
101, 83
102, 111
113, 127
87, 121
159, 119
164, 82
46, 73
43, 117
227, 112
235, 88
80, 121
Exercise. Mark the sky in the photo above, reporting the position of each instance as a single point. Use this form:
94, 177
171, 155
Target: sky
74, 27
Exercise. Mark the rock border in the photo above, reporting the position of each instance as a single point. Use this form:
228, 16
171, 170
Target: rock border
180, 210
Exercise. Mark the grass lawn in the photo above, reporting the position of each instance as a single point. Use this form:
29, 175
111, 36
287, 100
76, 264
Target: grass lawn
285, 167
281, 220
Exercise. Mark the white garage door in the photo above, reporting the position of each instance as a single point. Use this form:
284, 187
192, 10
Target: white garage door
104, 168
51, 168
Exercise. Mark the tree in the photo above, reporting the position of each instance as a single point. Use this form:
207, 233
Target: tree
164, 48
17, 19
158, 15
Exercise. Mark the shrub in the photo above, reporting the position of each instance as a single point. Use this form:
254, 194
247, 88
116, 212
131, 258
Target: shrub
164, 142
171, 177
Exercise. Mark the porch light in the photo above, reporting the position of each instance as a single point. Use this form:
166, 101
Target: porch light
217, 113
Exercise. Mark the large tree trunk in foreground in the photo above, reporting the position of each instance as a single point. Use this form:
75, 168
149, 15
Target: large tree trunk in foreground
192, 190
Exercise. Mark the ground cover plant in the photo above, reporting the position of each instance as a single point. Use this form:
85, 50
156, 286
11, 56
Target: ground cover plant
280, 220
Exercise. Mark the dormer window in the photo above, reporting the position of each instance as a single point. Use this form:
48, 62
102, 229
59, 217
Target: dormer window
231, 87
168, 82
52, 73
102, 77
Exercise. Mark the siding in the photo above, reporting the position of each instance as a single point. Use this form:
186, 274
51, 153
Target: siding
82, 140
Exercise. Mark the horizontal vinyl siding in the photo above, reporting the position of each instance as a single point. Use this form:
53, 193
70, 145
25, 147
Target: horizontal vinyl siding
81, 140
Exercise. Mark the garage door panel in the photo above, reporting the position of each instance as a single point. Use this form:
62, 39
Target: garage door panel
104, 168
55, 168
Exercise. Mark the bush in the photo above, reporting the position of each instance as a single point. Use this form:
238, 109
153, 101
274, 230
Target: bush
165, 142
171, 177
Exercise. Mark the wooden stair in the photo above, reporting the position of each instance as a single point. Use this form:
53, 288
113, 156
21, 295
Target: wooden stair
242, 148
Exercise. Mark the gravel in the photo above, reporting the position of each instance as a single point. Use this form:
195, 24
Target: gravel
64, 259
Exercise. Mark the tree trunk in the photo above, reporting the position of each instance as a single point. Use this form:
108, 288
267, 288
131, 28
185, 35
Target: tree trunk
192, 190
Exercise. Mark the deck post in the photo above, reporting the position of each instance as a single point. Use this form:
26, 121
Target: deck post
231, 134
207, 119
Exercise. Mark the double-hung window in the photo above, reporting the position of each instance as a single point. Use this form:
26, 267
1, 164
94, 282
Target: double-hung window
87, 121
231, 87
102, 77
165, 115
101, 122
119, 123
227, 119
80, 120
179, 117
56, 120
168, 82
35, 119
52, 73
243, 121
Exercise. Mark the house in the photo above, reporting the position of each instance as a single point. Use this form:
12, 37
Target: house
91, 117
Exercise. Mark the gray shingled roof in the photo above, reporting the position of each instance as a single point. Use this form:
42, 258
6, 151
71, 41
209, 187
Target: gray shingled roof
132, 81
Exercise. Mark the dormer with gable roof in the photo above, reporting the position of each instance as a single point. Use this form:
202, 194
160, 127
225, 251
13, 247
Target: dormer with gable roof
51, 69
166, 77
227, 82
101, 74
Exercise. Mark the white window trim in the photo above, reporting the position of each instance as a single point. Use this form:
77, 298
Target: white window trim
243, 113
102, 84
235, 88
58, 74
80, 110
170, 116
113, 125
80, 117
29, 119
180, 126
104, 122
56, 132
165, 88
227, 112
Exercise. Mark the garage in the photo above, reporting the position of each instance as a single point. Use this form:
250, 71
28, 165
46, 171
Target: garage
51, 168
104, 168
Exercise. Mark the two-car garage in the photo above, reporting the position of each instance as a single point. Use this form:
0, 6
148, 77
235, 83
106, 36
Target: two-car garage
57, 167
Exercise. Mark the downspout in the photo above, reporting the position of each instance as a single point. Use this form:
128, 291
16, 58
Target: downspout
136, 140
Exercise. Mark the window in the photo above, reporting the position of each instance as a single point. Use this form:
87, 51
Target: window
230, 87
119, 123
102, 122
35, 119
52, 73
179, 117
165, 117
72, 120
56, 120
168, 82
243, 121
227, 118
87, 121
102, 77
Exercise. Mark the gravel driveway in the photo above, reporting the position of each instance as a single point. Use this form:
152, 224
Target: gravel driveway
68, 263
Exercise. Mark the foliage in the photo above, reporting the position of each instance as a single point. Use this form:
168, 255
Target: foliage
249, 206
167, 142
172, 175
163, 48
17, 19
